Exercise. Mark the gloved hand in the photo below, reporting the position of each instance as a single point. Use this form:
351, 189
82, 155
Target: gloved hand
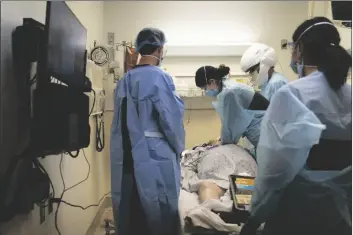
249, 228
246, 230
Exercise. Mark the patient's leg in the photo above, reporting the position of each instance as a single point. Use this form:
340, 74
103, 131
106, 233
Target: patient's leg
209, 190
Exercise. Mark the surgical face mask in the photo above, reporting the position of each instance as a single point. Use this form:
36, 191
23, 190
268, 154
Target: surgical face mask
263, 75
212, 92
254, 76
164, 52
162, 55
300, 66
294, 66
300, 69
159, 62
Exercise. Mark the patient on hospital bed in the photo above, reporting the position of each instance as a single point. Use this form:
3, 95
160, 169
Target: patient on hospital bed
205, 170
205, 183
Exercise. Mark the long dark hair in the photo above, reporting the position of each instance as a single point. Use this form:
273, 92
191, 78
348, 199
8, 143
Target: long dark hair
212, 73
318, 40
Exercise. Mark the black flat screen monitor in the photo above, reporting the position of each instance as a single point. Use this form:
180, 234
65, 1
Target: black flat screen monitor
341, 10
66, 39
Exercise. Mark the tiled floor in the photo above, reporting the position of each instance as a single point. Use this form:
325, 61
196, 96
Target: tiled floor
108, 214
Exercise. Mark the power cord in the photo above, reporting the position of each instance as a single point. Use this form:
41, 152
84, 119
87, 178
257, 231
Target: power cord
100, 140
59, 200
74, 155
40, 166
61, 196
88, 173
78, 206
94, 102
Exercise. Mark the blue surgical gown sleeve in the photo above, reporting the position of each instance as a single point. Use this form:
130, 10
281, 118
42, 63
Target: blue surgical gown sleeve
170, 108
234, 115
271, 87
274, 87
288, 131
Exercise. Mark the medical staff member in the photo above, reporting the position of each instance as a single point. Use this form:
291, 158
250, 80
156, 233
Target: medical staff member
304, 181
233, 101
146, 143
259, 62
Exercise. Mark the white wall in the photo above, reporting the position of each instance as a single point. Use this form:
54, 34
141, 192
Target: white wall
208, 22
71, 221
90, 14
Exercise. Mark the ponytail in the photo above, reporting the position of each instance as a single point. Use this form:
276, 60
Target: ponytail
319, 41
335, 65
206, 73
221, 72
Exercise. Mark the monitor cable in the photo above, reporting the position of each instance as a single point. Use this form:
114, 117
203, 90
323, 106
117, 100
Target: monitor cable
61, 196
94, 101
74, 155
37, 164
60, 200
100, 140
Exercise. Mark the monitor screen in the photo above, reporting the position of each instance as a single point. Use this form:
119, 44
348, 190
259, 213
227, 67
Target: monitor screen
342, 10
66, 45
245, 188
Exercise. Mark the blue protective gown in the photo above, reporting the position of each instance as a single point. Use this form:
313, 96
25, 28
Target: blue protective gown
237, 120
269, 88
315, 202
157, 136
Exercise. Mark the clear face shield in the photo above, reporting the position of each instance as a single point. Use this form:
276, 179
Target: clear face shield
162, 55
253, 74
164, 52
213, 92
294, 50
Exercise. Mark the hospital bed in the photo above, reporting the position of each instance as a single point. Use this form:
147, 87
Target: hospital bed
210, 219
190, 200
236, 217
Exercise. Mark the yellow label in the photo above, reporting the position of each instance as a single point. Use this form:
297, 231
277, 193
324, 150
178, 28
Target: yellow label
243, 199
244, 181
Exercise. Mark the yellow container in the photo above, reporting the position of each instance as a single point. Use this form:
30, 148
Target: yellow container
242, 80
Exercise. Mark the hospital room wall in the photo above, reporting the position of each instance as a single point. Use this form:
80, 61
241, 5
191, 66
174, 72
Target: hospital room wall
206, 22
72, 221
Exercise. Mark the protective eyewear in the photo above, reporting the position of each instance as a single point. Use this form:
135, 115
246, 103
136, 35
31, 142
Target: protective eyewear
253, 69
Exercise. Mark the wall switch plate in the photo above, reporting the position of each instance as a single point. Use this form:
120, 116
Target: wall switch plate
111, 41
50, 204
284, 44
42, 214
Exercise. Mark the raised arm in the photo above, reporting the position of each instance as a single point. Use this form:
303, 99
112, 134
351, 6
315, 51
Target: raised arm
234, 114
